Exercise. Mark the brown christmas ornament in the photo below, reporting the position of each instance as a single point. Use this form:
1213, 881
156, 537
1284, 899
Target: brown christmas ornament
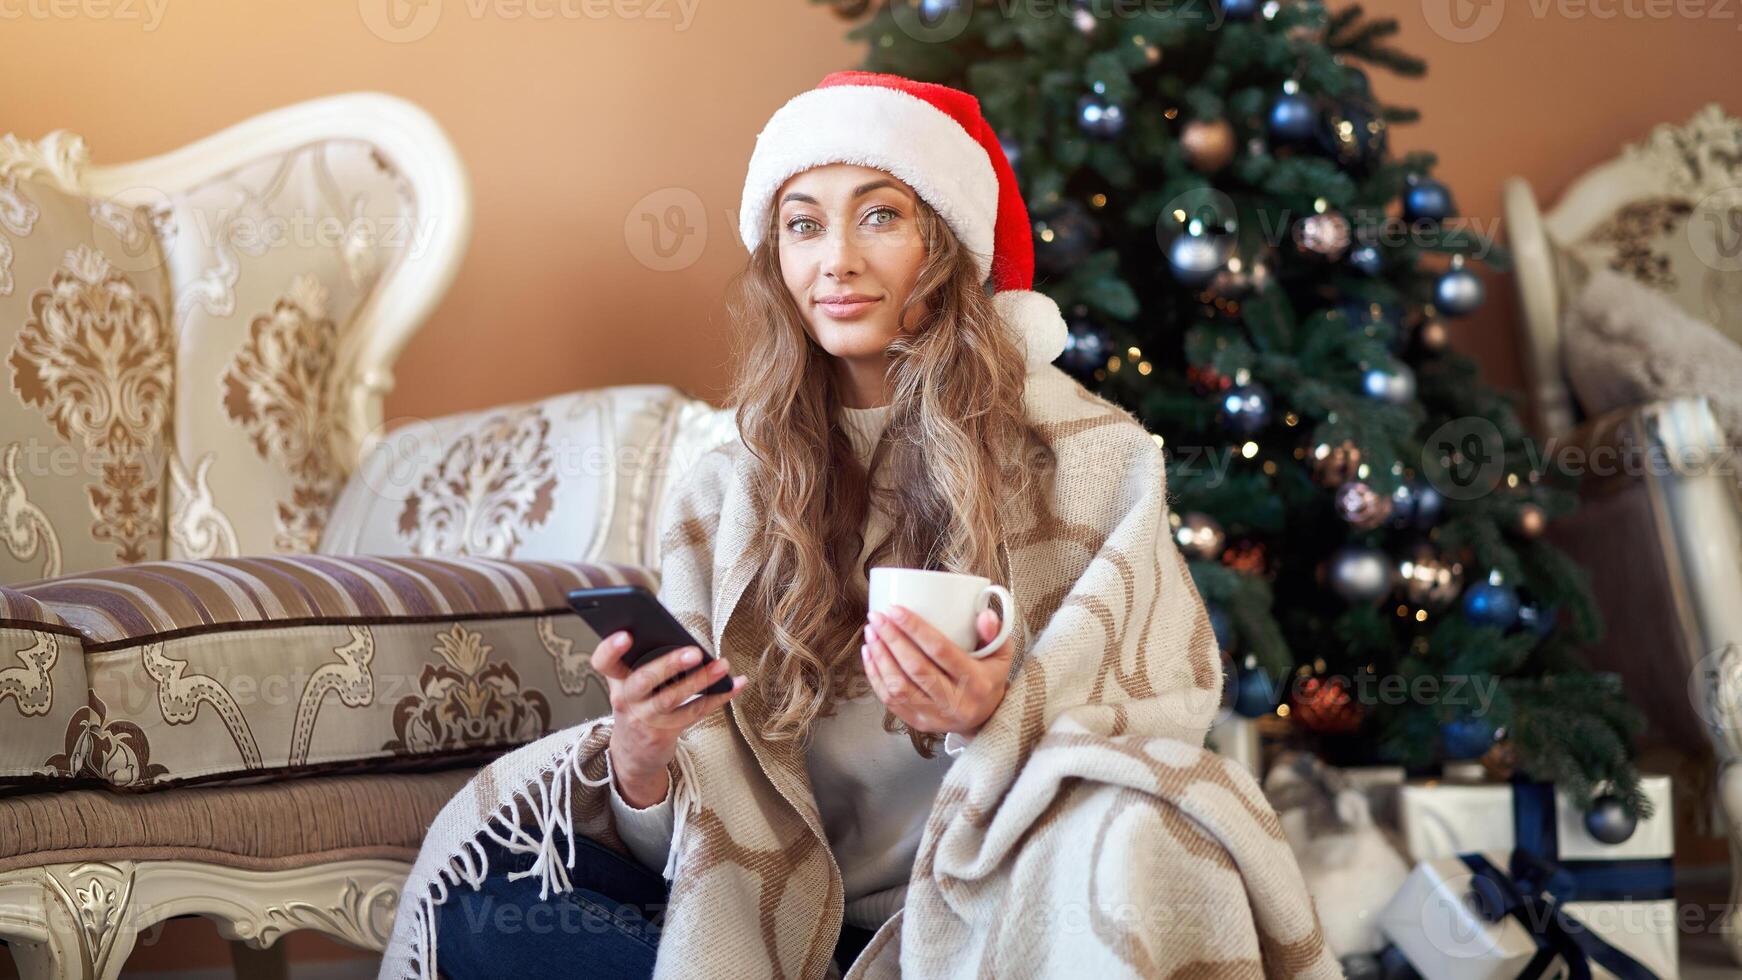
1324, 235
1336, 464
1361, 505
1325, 705
1208, 144
1531, 521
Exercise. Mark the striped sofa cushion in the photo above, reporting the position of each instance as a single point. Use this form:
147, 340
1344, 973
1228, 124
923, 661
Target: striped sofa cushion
241, 667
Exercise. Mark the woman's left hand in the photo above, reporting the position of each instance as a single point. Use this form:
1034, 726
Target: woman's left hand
927, 680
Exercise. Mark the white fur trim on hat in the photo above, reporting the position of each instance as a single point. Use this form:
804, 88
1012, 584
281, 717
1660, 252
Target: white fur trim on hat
879, 127
1037, 322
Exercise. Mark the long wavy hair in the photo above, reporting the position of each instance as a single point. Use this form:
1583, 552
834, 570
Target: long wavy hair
951, 455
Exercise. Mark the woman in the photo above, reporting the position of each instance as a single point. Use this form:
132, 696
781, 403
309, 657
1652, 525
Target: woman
889, 412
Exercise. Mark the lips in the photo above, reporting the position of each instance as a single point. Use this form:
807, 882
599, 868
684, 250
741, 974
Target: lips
847, 306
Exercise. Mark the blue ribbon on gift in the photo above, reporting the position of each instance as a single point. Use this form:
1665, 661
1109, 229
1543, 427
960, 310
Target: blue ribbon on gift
1535, 832
1531, 891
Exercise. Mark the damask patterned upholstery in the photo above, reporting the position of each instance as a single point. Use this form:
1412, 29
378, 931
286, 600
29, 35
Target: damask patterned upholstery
242, 667
269, 263
576, 476
42, 688
1684, 240
178, 371
87, 346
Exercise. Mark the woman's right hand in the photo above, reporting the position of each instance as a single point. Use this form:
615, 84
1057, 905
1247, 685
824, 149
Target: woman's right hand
645, 725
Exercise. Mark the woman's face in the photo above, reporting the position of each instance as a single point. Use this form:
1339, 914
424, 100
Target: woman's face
850, 252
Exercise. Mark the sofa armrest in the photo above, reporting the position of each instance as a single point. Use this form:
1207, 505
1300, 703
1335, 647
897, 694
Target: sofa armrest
1661, 533
1672, 439
228, 668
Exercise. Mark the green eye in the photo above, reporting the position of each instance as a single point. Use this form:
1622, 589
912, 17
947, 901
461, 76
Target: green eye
794, 225
884, 210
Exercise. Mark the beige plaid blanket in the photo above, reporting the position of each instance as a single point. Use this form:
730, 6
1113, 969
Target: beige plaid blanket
1084, 832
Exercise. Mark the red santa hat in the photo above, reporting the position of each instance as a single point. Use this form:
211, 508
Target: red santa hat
934, 138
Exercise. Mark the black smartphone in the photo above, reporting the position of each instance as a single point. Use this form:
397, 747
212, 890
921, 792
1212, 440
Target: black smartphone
653, 630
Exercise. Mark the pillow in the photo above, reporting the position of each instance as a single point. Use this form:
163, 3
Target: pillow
1625, 345
232, 668
578, 476
271, 262
83, 438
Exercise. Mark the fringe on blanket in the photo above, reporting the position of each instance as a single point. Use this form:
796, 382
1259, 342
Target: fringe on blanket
549, 798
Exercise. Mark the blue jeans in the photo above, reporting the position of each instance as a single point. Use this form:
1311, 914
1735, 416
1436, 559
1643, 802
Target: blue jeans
606, 927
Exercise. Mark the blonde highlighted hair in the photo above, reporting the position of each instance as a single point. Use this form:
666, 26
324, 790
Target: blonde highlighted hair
952, 450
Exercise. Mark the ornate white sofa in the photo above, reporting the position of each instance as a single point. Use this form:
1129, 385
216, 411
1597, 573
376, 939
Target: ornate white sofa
251, 639
1660, 527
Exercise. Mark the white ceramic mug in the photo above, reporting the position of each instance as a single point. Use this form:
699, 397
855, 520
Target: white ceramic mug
949, 601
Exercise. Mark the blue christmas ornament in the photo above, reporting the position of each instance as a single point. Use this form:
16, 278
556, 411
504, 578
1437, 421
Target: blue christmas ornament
1416, 503
1196, 258
1256, 694
1100, 118
1245, 409
932, 12
1240, 9
1012, 151
1393, 383
1490, 604
1537, 618
1292, 117
1427, 200
1466, 738
1459, 292
1362, 85
1367, 260
1086, 348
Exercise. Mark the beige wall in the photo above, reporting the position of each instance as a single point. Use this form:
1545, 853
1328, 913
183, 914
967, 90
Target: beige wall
567, 123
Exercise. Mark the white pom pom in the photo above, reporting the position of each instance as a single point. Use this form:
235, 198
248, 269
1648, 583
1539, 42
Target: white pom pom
1037, 322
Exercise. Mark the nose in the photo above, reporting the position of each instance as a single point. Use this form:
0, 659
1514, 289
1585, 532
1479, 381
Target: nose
842, 258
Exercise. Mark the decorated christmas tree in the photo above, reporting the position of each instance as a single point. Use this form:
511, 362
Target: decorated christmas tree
1247, 268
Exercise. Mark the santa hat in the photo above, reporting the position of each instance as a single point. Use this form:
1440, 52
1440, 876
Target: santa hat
934, 138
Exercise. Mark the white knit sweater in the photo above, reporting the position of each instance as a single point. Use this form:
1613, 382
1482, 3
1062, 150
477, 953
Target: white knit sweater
873, 790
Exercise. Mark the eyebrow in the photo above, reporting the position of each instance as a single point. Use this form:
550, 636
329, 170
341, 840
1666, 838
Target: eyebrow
858, 192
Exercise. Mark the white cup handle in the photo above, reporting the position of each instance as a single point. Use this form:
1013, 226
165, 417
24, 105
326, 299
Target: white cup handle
1006, 616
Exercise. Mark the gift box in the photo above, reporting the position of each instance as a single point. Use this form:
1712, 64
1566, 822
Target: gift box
1436, 921
1238, 738
1621, 893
